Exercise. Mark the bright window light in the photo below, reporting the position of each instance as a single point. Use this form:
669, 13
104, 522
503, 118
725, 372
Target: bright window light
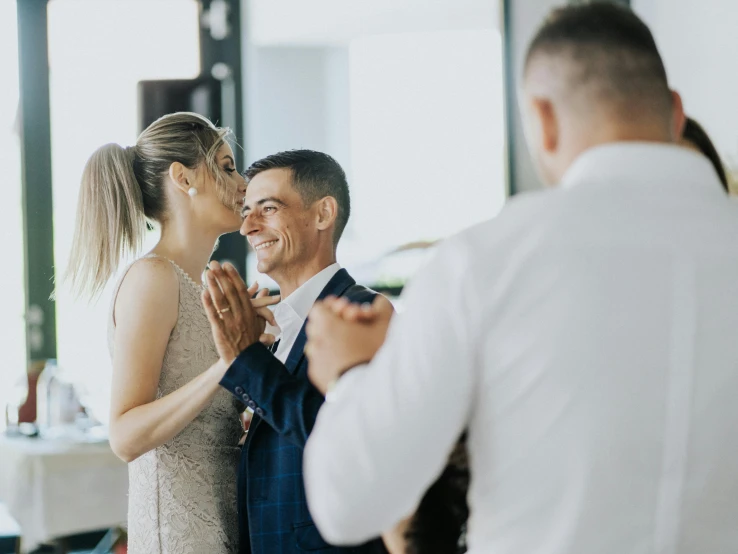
98, 52
12, 299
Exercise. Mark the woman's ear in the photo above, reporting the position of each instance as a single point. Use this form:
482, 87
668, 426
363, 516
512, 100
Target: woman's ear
180, 176
327, 212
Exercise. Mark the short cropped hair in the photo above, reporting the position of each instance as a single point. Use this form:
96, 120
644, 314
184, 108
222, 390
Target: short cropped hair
610, 47
315, 175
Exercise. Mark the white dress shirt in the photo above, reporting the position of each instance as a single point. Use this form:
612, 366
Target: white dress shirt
588, 339
292, 311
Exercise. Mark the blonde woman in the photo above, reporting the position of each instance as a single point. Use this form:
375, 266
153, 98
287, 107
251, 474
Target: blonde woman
170, 420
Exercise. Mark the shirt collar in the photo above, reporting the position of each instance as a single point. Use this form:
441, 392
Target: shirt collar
642, 163
302, 300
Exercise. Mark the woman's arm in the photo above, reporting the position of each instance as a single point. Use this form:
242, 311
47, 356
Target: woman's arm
146, 311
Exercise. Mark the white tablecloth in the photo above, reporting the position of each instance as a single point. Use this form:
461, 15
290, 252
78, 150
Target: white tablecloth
55, 488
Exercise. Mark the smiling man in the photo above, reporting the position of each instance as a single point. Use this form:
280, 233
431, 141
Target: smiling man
295, 210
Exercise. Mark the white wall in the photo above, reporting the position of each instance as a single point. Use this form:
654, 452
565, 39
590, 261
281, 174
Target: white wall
427, 135
286, 104
321, 22
699, 44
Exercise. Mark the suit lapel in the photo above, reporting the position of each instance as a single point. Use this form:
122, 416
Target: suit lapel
337, 286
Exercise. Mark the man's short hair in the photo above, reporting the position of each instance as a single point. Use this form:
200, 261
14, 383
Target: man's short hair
609, 47
315, 175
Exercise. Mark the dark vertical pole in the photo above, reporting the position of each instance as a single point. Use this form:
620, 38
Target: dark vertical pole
510, 99
221, 58
36, 170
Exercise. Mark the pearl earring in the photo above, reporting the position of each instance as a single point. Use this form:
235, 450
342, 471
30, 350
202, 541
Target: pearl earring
192, 191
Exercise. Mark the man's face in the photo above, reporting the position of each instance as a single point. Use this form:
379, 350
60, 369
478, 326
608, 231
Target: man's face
276, 223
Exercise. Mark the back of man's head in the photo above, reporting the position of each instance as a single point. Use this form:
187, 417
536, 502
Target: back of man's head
598, 68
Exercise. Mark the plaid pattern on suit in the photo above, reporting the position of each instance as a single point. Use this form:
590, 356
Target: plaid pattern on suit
273, 512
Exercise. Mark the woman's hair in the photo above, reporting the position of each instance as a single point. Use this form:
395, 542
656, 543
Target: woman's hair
439, 523
694, 133
123, 188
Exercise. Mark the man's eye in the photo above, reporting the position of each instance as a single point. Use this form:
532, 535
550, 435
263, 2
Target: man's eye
269, 209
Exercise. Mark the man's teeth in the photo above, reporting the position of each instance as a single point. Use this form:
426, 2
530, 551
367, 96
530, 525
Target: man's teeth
265, 245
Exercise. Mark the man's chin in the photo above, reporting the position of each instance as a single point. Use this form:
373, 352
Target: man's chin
264, 267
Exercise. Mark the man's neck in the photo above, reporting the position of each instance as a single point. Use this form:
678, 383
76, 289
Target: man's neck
293, 278
607, 131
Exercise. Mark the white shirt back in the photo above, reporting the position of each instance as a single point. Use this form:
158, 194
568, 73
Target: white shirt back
587, 339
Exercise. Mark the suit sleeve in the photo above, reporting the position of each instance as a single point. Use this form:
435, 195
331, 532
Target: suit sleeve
288, 403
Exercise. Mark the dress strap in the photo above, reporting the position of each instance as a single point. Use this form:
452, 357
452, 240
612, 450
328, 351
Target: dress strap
179, 270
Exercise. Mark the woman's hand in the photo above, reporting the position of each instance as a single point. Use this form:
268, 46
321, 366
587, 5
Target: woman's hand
236, 320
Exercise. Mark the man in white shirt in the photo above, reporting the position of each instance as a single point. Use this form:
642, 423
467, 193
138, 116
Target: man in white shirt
587, 345
295, 210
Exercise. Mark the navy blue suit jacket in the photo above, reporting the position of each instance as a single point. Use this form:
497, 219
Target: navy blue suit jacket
273, 512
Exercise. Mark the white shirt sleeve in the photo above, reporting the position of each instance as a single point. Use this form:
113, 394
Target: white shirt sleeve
386, 435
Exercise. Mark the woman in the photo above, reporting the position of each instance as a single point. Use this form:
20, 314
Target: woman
695, 137
438, 525
169, 418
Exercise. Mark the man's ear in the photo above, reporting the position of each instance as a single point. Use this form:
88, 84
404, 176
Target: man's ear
327, 212
180, 176
678, 117
546, 123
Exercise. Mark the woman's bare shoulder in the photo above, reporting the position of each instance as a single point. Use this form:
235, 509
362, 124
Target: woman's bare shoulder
150, 286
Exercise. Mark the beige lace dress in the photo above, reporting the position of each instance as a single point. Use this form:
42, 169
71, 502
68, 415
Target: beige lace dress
182, 495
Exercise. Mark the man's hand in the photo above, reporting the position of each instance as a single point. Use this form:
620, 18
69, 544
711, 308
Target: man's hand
236, 320
341, 336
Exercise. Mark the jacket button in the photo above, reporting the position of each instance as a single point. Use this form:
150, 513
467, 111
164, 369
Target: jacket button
239, 390
259, 412
245, 397
252, 404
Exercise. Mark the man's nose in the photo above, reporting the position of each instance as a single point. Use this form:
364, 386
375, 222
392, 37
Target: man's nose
250, 225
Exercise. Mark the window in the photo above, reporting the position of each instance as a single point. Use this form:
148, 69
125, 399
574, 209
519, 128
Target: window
94, 70
12, 277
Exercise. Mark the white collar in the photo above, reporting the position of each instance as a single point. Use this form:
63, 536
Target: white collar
642, 163
302, 299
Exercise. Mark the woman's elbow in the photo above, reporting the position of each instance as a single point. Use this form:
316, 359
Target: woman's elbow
123, 446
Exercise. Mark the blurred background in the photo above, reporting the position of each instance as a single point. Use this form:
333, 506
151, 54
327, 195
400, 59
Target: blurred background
416, 99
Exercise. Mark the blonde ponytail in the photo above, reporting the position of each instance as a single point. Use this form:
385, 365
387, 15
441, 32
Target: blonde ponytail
122, 188
110, 219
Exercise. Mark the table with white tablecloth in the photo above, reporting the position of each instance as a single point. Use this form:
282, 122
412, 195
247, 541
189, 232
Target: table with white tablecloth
56, 488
